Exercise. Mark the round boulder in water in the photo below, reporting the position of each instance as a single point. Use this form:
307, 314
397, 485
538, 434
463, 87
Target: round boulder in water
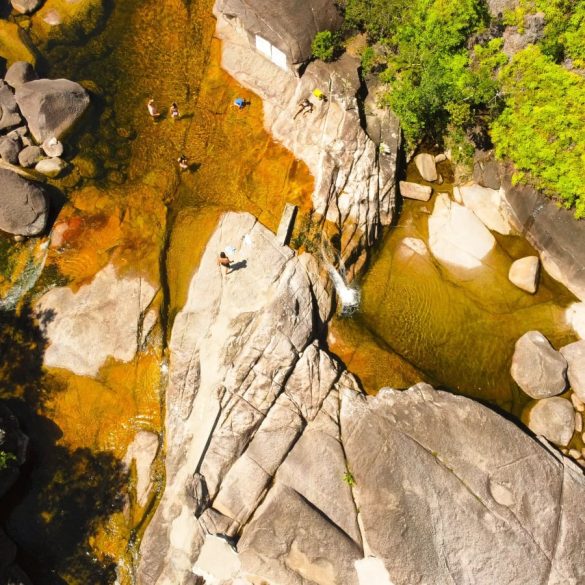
537, 367
23, 205
554, 419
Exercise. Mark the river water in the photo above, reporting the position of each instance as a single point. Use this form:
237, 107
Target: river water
71, 512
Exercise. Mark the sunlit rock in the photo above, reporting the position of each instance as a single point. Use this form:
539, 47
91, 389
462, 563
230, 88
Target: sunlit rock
415, 191
489, 206
23, 205
575, 317
110, 317
425, 164
553, 418
52, 167
524, 273
457, 236
574, 353
537, 367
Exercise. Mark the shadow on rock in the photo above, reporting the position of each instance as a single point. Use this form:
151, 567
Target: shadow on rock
62, 494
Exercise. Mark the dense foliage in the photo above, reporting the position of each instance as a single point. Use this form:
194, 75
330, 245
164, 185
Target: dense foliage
325, 45
448, 80
542, 126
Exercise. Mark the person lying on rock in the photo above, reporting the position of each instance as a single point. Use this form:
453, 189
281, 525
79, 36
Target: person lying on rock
223, 260
305, 107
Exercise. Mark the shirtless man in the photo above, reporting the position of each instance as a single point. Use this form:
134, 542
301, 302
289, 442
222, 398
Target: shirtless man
223, 260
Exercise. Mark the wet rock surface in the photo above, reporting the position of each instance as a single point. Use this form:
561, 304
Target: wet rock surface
109, 317
272, 445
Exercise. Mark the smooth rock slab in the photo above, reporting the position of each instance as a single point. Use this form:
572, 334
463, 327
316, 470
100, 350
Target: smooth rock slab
23, 205
554, 419
51, 106
449, 492
142, 451
574, 353
537, 367
457, 236
489, 205
524, 273
100, 320
415, 191
425, 163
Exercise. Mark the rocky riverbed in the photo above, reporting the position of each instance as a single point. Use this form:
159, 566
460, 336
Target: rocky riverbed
189, 425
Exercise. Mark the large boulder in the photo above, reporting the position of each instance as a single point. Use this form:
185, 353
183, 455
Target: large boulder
537, 367
23, 205
280, 470
524, 273
553, 418
111, 317
574, 353
456, 236
18, 73
488, 205
51, 106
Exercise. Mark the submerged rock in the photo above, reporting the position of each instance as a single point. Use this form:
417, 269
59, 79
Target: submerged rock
23, 205
457, 236
273, 448
110, 317
51, 106
537, 367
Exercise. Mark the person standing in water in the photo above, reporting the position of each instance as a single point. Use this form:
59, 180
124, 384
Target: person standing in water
174, 111
152, 109
183, 162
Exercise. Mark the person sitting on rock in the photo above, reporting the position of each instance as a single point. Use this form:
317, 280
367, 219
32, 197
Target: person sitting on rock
174, 111
152, 109
305, 107
240, 103
223, 260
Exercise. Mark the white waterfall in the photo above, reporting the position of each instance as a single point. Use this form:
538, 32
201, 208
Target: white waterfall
349, 297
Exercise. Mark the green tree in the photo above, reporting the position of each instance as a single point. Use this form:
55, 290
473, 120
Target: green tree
325, 46
541, 128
